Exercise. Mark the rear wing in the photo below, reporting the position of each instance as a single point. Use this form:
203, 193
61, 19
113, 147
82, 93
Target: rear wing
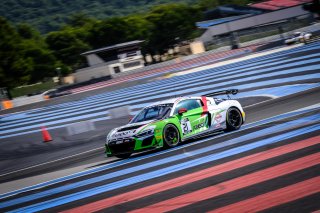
223, 92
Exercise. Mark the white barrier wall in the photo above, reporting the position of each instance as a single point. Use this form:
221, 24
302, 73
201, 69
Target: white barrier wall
89, 73
20, 101
119, 112
80, 127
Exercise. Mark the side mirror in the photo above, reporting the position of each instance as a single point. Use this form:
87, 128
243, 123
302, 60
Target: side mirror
182, 110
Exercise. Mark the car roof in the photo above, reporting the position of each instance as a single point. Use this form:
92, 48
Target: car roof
50, 90
171, 101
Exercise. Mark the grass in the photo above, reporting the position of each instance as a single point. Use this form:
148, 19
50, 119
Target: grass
258, 36
217, 45
24, 90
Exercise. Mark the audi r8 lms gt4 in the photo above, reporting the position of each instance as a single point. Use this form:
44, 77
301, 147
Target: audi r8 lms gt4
166, 123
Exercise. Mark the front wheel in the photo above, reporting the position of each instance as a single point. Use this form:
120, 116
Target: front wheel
234, 119
171, 135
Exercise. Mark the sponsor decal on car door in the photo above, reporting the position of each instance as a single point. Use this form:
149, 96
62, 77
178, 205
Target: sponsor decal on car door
218, 118
192, 122
186, 126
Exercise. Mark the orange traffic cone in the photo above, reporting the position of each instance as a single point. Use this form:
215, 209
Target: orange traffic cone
45, 134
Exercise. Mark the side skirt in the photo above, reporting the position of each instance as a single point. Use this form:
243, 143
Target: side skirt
205, 133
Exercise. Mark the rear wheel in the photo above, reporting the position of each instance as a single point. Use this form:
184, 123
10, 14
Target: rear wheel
124, 156
171, 136
234, 119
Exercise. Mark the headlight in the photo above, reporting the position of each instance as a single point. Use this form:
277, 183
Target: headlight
108, 137
145, 133
110, 134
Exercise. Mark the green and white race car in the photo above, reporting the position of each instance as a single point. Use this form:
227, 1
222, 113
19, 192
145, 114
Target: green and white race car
166, 123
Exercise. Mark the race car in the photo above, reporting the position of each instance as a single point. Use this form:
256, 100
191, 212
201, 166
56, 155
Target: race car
169, 122
298, 37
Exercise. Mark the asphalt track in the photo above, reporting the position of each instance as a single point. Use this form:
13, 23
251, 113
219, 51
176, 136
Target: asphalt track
276, 74
271, 158
271, 164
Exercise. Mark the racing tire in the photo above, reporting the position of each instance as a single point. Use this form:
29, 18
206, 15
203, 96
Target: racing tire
123, 156
234, 119
171, 136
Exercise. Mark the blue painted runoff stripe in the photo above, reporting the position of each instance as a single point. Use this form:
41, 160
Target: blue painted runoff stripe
281, 116
264, 132
127, 161
194, 89
213, 78
165, 171
132, 88
192, 79
279, 91
47, 114
245, 86
261, 58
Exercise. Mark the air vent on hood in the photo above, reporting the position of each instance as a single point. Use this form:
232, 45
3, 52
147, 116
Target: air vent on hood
129, 128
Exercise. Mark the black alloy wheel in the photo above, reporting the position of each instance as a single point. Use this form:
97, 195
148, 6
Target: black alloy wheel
171, 136
234, 119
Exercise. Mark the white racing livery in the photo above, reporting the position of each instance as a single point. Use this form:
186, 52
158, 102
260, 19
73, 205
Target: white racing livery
168, 122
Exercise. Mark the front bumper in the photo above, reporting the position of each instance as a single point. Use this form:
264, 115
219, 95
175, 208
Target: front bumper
120, 146
243, 116
129, 145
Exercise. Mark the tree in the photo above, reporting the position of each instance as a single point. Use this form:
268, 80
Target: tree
36, 51
238, 2
171, 23
27, 32
108, 32
50, 15
208, 4
15, 69
67, 47
80, 20
139, 28
43, 61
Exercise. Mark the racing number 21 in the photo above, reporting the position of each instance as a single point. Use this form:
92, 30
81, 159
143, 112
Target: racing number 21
186, 126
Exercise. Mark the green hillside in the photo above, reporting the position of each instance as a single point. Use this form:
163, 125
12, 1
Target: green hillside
29, 57
49, 15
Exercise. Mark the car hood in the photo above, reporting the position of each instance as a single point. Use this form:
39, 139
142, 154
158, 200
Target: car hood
128, 130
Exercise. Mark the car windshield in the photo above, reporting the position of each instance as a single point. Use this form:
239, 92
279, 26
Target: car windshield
153, 113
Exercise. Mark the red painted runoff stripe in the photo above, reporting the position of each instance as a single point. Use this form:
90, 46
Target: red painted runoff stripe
274, 198
232, 185
183, 180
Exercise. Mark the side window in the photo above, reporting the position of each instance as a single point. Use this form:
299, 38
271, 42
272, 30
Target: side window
195, 104
188, 104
